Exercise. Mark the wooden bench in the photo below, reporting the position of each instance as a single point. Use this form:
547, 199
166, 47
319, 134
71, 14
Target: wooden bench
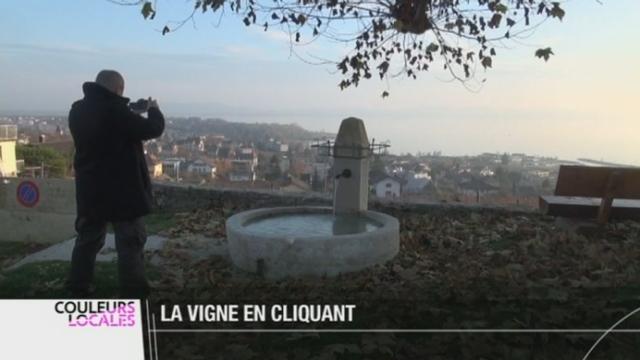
600, 192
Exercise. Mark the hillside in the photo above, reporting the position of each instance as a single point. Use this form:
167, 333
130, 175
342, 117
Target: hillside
242, 132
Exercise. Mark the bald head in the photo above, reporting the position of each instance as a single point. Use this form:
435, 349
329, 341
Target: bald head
111, 80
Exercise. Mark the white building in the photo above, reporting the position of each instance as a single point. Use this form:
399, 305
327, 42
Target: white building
248, 154
171, 167
201, 168
242, 170
487, 172
387, 188
540, 173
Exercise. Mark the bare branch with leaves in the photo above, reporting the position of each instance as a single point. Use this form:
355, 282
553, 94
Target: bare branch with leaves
410, 35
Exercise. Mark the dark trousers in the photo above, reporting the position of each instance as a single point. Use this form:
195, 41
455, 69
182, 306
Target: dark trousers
130, 238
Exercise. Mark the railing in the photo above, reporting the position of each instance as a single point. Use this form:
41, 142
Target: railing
330, 148
8, 132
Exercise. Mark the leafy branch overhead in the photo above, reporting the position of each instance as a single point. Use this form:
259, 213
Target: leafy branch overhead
393, 37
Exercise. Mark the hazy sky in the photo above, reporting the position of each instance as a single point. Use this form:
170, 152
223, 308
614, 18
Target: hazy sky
583, 103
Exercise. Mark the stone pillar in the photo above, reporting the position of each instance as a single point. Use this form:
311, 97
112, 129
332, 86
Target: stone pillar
351, 168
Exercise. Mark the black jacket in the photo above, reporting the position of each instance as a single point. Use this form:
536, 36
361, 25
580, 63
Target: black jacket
112, 178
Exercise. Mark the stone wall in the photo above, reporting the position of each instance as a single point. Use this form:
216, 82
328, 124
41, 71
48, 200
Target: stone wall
180, 198
52, 218
177, 198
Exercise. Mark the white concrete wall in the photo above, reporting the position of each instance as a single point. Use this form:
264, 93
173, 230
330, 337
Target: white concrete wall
51, 220
387, 188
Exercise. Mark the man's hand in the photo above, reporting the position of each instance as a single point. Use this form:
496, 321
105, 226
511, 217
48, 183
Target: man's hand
153, 103
148, 104
137, 127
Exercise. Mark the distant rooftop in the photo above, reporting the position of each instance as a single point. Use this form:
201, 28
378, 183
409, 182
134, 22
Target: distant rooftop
8, 132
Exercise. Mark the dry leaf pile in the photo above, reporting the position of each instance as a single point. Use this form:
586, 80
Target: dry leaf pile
457, 269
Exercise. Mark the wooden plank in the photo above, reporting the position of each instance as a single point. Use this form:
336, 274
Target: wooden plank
592, 181
613, 184
604, 210
587, 207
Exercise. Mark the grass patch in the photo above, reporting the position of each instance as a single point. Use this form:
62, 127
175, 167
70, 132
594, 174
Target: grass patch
46, 280
158, 222
18, 248
154, 223
11, 251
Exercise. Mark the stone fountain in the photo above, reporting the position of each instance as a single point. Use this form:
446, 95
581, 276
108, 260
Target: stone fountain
320, 241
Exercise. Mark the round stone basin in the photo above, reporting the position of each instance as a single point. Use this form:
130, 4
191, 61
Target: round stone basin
301, 241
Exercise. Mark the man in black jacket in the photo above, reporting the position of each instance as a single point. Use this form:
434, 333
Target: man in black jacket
112, 181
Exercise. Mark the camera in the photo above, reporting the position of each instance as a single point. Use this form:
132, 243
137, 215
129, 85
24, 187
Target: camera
139, 106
